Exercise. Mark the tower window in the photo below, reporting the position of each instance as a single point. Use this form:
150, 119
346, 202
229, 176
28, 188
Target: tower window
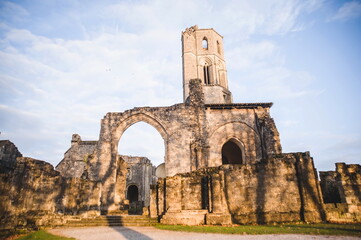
218, 47
205, 43
207, 80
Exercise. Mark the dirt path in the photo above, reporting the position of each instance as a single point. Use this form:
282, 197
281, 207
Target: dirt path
151, 233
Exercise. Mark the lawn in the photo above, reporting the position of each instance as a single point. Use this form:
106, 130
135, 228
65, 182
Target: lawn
313, 229
43, 235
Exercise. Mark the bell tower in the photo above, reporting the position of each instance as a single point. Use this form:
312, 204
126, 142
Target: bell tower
203, 58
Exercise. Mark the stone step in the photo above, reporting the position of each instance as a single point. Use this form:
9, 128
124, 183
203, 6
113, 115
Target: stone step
115, 222
125, 220
109, 224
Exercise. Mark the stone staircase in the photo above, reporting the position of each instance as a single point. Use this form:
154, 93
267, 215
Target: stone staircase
112, 220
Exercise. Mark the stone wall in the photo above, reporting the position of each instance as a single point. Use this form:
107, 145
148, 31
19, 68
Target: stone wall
283, 188
76, 158
349, 178
342, 193
8, 154
33, 194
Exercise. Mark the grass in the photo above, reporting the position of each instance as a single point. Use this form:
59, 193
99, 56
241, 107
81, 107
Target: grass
43, 235
312, 229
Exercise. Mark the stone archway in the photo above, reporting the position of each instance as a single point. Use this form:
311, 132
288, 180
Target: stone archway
112, 128
132, 193
245, 137
232, 152
140, 117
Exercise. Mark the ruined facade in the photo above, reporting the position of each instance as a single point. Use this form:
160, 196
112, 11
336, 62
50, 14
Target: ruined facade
140, 175
223, 160
342, 193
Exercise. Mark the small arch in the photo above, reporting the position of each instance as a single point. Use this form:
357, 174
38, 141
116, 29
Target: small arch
205, 43
207, 69
232, 152
132, 193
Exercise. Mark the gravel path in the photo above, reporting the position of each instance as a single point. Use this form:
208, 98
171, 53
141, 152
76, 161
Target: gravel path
151, 233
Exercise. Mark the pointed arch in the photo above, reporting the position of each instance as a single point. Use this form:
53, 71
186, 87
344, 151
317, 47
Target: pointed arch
140, 117
241, 134
125, 123
207, 70
233, 152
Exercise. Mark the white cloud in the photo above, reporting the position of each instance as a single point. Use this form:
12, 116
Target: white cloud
348, 10
129, 55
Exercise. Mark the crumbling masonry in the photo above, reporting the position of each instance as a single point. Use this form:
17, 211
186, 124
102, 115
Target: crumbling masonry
223, 161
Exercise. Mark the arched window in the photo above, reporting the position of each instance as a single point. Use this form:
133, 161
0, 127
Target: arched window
218, 48
207, 78
231, 153
205, 43
132, 193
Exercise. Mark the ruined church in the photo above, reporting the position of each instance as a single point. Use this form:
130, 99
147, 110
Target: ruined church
223, 163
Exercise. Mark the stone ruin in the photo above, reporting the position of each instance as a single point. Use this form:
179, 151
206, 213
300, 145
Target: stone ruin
223, 164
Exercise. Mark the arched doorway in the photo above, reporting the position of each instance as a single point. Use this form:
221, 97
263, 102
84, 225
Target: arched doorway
132, 193
232, 152
142, 147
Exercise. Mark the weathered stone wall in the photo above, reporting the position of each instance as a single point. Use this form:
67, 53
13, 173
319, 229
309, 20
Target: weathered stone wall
34, 194
76, 159
349, 178
341, 191
193, 134
141, 173
8, 154
330, 187
283, 188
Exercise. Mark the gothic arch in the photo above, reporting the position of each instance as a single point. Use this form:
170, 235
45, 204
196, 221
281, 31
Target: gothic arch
216, 127
238, 148
125, 123
247, 138
140, 117
207, 70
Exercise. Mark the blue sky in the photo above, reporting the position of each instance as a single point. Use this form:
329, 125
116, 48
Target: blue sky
65, 64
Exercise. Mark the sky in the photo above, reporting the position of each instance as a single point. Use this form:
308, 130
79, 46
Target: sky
65, 64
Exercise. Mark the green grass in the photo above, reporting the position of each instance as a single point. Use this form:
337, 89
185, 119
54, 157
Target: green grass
43, 235
314, 229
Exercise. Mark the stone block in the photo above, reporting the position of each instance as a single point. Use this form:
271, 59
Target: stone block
185, 217
218, 219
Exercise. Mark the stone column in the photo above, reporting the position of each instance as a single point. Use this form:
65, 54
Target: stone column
173, 194
153, 202
219, 213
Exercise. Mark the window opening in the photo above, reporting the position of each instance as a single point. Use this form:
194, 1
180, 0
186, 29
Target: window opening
231, 153
132, 193
204, 192
205, 43
206, 75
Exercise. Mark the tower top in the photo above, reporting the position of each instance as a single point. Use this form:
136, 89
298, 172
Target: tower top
203, 58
